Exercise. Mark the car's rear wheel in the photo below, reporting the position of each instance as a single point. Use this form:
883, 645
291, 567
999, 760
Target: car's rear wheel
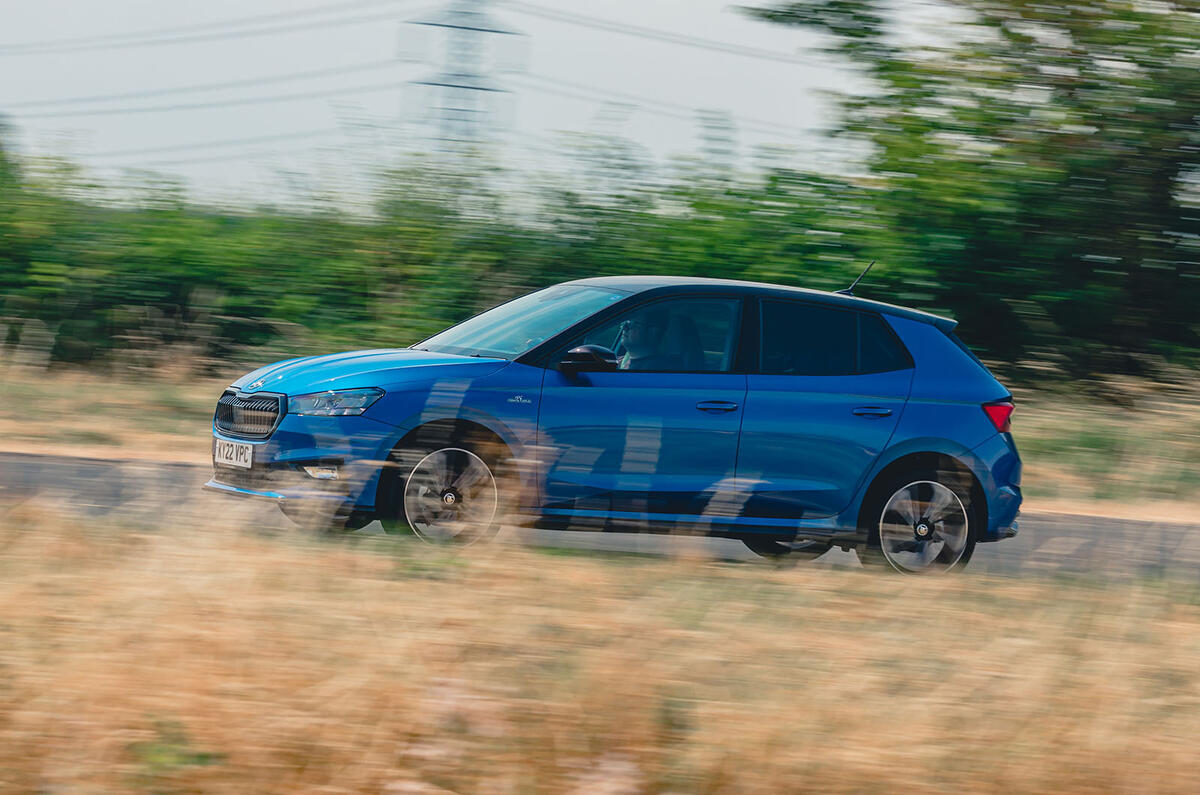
447, 493
923, 522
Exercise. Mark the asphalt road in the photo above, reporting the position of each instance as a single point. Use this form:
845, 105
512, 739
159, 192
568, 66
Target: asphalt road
1047, 544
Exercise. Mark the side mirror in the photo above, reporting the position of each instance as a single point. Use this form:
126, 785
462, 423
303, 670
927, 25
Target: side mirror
588, 359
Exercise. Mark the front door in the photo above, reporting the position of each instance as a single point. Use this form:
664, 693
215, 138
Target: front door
656, 439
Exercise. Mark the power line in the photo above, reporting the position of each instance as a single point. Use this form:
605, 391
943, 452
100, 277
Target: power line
200, 87
639, 31
131, 38
661, 111
668, 110
258, 139
197, 37
333, 92
224, 158
155, 32
660, 104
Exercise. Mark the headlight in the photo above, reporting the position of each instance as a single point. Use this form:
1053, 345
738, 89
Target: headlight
340, 403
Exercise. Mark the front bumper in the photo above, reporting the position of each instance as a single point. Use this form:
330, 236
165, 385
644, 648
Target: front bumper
357, 446
275, 496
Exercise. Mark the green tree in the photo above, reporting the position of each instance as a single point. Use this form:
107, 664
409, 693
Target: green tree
10, 180
1039, 161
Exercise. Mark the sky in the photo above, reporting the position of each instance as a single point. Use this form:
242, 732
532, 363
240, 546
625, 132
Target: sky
558, 77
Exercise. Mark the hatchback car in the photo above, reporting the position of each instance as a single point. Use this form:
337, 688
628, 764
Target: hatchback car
791, 419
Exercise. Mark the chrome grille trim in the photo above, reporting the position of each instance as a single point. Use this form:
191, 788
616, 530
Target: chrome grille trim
250, 416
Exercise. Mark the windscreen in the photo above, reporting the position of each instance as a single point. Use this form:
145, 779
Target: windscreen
522, 324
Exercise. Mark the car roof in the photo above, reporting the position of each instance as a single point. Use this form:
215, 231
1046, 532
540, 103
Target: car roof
641, 284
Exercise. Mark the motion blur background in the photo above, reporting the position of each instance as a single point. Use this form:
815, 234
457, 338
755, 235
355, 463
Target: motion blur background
190, 182
188, 190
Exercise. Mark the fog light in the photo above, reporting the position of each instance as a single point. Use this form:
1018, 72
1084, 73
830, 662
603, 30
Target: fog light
322, 472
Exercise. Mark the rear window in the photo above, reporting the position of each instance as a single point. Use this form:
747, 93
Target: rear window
806, 339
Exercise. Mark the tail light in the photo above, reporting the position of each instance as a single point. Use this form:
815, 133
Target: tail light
1000, 413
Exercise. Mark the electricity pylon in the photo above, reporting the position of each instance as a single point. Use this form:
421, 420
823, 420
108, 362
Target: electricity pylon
462, 90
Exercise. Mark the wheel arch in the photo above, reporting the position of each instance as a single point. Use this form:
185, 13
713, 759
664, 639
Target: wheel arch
444, 431
450, 429
925, 460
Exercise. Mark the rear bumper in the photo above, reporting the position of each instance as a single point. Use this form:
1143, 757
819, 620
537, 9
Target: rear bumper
998, 468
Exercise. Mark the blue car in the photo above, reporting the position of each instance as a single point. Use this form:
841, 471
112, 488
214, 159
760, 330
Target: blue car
791, 419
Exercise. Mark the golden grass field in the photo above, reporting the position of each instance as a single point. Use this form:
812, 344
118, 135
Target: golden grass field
196, 656
135, 415
193, 655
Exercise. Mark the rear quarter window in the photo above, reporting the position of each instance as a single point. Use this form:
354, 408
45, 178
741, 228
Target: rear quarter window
879, 349
963, 347
808, 339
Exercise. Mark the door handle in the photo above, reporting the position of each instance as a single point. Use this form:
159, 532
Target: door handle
874, 412
716, 405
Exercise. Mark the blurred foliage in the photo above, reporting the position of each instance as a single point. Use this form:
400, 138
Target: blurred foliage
1034, 173
1041, 165
436, 246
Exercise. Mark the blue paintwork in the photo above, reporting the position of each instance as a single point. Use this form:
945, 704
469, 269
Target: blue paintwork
804, 452
636, 442
628, 448
394, 366
998, 466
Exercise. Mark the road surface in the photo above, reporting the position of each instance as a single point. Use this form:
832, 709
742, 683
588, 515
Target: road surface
1047, 544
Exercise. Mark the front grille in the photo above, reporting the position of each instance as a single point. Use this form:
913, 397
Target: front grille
251, 416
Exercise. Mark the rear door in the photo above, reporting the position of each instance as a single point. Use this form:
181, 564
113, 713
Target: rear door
823, 404
657, 439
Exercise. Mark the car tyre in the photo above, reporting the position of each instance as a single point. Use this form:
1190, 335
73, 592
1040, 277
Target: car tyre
446, 492
922, 522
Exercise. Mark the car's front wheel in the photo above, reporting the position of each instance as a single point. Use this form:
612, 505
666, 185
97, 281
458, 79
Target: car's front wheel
922, 522
444, 493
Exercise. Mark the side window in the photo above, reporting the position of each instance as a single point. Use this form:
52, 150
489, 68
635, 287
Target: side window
674, 335
805, 339
879, 351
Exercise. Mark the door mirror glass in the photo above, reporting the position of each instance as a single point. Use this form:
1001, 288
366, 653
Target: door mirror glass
588, 359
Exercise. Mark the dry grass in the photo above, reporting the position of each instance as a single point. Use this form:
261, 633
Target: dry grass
204, 658
1138, 460
164, 418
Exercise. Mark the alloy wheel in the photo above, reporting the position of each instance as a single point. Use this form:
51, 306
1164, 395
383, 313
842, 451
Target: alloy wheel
924, 527
451, 495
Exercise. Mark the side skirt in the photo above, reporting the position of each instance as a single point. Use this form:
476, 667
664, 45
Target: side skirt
596, 524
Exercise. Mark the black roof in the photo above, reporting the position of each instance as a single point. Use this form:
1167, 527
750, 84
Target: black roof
640, 284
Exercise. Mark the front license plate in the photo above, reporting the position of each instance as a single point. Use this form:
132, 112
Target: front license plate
233, 454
